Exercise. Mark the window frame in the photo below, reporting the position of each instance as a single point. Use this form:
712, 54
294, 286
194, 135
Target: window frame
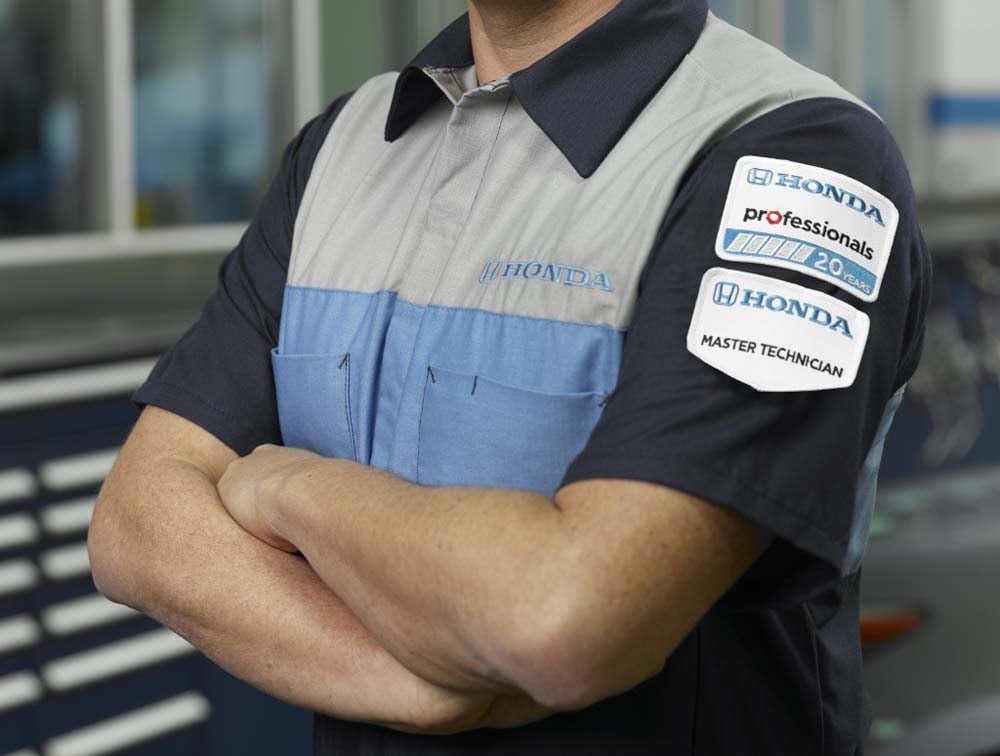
116, 158
303, 21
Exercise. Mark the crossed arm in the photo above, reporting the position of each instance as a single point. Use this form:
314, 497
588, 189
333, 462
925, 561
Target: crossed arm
428, 609
161, 542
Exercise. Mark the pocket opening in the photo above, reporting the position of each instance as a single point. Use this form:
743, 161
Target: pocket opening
474, 430
314, 402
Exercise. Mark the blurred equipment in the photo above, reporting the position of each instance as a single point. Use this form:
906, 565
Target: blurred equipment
930, 69
932, 660
80, 675
135, 139
955, 57
949, 385
944, 107
962, 350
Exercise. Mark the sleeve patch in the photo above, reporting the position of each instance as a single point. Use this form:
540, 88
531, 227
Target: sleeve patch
819, 222
774, 335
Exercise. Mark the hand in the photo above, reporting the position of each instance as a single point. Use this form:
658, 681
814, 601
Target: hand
438, 711
250, 486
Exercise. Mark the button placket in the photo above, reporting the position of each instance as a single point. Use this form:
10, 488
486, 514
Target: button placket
472, 131
461, 164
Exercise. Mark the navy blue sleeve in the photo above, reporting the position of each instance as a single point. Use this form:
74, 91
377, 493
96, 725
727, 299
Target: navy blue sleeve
791, 462
218, 375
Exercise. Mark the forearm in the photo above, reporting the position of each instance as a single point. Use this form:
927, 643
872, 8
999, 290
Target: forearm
261, 614
570, 599
443, 577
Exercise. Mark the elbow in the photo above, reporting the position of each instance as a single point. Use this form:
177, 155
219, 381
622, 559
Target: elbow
109, 549
574, 661
569, 682
105, 569
107, 579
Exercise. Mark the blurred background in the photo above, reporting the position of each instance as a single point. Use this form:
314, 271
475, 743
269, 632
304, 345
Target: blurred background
136, 137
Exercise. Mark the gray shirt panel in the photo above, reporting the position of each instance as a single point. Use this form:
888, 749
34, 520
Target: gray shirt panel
444, 214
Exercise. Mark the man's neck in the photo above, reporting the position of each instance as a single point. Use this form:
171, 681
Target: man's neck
508, 35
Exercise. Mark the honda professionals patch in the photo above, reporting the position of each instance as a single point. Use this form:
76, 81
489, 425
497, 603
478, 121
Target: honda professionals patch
776, 336
822, 223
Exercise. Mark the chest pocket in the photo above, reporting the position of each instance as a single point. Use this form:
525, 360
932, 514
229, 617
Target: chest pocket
474, 431
314, 404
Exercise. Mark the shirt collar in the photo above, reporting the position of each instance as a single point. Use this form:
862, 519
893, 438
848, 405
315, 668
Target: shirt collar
585, 94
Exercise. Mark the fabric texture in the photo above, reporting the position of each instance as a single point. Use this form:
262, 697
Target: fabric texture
788, 461
559, 90
218, 375
491, 285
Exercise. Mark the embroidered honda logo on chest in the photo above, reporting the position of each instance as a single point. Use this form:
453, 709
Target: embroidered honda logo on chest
549, 272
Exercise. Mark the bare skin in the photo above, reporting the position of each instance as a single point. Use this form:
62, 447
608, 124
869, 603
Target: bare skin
571, 599
339, 641
162, 543
508, 35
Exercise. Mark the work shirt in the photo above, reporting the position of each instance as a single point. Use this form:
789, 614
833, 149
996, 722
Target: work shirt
663, 252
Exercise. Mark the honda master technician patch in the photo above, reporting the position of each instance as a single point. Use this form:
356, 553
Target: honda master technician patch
809, 219
774, 335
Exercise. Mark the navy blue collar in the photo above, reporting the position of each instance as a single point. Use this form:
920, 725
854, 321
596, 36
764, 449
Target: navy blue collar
585, 94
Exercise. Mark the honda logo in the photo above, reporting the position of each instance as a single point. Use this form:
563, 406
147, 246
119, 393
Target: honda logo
726, 294
760, 177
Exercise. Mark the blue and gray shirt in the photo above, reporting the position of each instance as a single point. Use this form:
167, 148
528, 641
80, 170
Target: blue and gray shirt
663, 252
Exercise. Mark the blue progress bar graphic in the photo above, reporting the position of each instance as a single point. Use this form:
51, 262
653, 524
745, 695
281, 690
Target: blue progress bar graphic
798, 253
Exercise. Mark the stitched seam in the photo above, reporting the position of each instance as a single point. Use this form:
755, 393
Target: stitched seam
456, 308
337, 109
310, 192
211, 405
325, 175
504, 385
451, 72
420, 422
346, 367
464, 226
811, 625
696, 60
489, 161
425, 182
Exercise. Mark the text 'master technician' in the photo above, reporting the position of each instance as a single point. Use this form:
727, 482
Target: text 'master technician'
539, 409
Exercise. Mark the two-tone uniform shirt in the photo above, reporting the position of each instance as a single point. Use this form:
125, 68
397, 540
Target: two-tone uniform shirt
663, 252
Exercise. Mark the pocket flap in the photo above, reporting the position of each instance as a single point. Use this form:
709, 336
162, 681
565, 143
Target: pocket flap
314, 402
475, 431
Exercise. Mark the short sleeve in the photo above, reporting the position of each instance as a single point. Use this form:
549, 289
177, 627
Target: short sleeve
789, 461
218, 375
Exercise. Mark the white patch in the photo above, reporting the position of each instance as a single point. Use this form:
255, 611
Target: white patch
809, 219
774, 335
